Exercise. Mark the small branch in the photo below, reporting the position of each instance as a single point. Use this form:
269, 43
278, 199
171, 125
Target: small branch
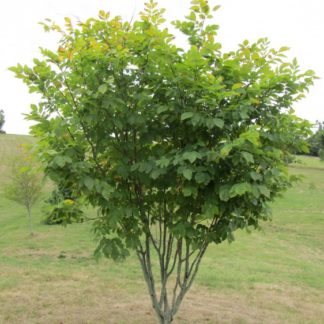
176, 253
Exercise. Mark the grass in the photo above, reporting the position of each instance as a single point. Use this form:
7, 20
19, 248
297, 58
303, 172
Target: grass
269, 276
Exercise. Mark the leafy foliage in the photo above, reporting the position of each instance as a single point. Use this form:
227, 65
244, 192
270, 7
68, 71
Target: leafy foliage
316, 140
178, 148
321, 154
62, 207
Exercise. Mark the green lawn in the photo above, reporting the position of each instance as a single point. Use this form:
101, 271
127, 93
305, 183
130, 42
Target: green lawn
271, 276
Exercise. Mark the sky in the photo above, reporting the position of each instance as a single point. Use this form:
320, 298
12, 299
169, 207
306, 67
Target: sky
298, 24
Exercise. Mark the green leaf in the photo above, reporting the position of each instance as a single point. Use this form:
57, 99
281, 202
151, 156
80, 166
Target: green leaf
240, 189
190, 191
218, 122
255, 176
255, 191
67, 20
192, 16
252, 136
61, 161
237, 86
163, 163
162, 109
179, 230
107, 190
186, 115
212, 156
214, 122
103, 88
226, 149
264, 191
284, 49
155, 174
183, 229
112, 248
224, 192
196, 119
187, 173
88, 182
191, 156
202, 177
248, 157
215, 8
210, 210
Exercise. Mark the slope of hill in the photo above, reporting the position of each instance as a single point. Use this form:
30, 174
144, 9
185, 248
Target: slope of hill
273, 276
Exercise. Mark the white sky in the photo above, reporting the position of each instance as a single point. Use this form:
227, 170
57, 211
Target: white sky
298, 24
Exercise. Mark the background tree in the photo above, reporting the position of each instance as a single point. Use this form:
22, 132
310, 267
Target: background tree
25, 183
2, 121
316, 140
63, 207
177, 148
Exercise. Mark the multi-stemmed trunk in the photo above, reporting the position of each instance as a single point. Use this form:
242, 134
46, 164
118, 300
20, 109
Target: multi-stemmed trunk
178, 264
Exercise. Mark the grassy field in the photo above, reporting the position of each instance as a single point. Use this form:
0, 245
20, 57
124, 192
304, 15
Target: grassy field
270, 276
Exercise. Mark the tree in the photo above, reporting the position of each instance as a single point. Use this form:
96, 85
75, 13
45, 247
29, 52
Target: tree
316, 140
2, 121
26, 183
62, 207
321, 154
177, 148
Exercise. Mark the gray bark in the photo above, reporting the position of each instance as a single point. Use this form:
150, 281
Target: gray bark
179, 262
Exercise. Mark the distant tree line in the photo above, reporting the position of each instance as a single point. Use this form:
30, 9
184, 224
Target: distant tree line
2, 121
316, 141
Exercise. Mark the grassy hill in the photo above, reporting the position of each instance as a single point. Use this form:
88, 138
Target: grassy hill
270, 276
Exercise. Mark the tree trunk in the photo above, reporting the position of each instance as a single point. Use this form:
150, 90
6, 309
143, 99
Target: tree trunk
30, 221
166, 318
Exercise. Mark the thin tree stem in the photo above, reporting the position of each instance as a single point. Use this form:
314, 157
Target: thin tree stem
30, 221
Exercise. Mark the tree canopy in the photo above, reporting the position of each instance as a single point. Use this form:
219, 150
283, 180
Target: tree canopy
176, 147
25, 182
316, 140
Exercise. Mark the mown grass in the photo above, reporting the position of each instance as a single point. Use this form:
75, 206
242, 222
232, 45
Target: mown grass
269, 276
